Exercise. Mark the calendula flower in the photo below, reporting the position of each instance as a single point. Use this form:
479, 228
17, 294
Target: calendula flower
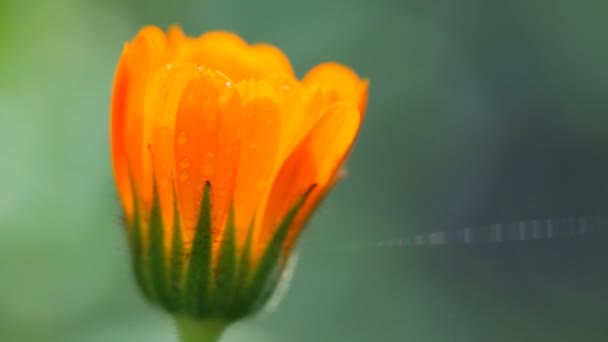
220, 155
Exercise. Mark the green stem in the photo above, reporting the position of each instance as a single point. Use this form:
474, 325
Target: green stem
199, 331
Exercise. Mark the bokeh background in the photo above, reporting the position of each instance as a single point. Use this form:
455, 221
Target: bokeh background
480, 112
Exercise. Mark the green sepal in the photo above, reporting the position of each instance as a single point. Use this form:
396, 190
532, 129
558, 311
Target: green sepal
138, 259
264, 278
225, 269
194, 285
198, 276
238, 308
177, 260
156, 253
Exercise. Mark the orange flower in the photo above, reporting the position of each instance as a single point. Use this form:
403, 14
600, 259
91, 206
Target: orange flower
220, 155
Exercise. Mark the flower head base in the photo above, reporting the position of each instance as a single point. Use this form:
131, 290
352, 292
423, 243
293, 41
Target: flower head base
220, 155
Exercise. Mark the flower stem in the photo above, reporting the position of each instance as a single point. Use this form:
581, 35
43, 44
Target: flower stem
199, 331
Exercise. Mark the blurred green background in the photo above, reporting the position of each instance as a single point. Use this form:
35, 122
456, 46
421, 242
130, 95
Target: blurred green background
479, 112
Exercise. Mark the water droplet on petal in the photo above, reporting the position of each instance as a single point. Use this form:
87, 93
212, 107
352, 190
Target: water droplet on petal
184, 163
184, 175
209, 156
182, 138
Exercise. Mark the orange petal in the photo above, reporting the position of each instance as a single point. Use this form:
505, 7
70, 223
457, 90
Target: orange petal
295, 118
118, 135
228, 53
229, 144
176, 38
166, 88
260, 131
339, 80
196, 145
315, 161
142, 58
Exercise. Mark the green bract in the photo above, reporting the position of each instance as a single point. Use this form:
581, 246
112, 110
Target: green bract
190, 284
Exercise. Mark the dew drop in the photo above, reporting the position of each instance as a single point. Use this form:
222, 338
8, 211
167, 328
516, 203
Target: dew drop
208, 164
182, 138
228, 84
209, 157
184, 163
184, 175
